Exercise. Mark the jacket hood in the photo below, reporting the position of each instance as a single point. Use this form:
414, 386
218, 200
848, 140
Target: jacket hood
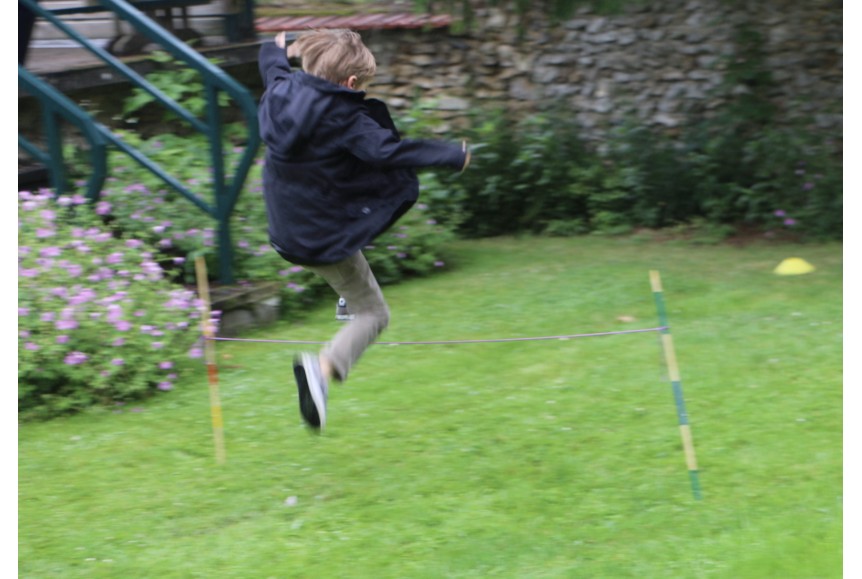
294, 104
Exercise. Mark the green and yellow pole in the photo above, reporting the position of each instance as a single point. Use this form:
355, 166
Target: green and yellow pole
676, 382
210, 357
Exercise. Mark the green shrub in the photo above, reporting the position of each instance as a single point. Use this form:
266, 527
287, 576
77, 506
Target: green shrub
98, 321
519, 180
715, 173
181, 83
537, 176
794, 177
415, 246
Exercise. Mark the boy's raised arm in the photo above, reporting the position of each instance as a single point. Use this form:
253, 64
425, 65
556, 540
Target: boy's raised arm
272, 60
376, 145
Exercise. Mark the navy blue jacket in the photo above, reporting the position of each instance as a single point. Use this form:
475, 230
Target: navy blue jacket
337, 174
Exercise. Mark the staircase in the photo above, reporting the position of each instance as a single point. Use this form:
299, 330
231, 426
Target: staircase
87, 63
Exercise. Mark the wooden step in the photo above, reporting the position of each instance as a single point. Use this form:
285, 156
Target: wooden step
206, 19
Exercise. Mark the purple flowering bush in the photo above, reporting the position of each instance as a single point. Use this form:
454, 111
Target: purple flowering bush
412, 247
98, 319
797, 181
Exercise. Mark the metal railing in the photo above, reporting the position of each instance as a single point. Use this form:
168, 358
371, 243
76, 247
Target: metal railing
55, 106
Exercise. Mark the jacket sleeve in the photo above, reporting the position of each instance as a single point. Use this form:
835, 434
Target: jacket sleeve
370, 141
272, 62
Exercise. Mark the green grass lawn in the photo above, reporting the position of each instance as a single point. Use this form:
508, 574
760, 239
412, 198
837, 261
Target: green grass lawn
521, 460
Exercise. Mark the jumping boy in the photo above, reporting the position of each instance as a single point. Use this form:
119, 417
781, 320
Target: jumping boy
336, 176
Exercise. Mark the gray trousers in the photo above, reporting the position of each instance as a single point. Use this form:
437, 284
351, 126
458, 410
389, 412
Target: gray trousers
353, 280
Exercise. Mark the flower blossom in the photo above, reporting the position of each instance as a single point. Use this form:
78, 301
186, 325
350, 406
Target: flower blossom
75, 358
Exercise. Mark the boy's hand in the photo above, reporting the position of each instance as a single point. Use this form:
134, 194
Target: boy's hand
292, 51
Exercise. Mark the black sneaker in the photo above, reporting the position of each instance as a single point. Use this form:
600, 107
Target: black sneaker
312, 389
341, 312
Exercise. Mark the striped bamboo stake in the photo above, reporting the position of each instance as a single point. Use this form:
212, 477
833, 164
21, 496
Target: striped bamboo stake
210, 357
676, 382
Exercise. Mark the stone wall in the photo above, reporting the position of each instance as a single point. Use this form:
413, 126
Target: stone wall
662, 61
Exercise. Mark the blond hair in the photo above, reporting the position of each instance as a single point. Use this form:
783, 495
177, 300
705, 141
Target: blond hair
336, 55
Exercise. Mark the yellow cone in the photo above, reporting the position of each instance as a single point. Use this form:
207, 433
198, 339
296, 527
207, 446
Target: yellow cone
794, 266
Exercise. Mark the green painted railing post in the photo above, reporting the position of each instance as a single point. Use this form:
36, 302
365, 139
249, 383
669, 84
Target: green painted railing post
55, 106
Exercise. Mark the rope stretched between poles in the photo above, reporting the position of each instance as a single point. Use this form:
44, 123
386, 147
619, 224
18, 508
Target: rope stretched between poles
468, 341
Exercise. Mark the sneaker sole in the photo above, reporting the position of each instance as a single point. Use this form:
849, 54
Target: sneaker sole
312, 405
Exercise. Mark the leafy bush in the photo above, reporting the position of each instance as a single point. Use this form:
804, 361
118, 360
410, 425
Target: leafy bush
536, 176
413, 247
520, 177
98, 320
782, 169
177, 81
717, 173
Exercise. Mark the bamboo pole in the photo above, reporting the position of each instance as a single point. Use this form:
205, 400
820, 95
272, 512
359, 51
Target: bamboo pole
676, 383
210, 358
